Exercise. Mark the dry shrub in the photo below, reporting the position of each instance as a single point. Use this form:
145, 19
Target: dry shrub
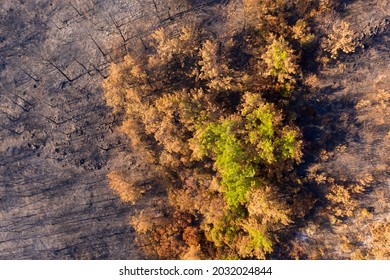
265, 205
311, 80
281, 62
191, 236
301, 32
341, 202
193, 253
346, 226
343, 197
128, 189
378, 245
341, 39
159, 232
374, 110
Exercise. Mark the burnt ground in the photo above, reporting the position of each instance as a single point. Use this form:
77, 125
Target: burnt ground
56, 134
58, 139
346, 124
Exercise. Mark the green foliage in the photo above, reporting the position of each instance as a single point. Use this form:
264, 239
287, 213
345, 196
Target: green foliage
259, 125
289, 145
223, 232
281, 63
238, 175
264, 129
258, 240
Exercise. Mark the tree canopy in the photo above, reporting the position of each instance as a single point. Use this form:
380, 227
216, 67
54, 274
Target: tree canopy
210, 111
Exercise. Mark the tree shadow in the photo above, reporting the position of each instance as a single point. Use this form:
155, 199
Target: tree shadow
320, 117
341, 6
208, 2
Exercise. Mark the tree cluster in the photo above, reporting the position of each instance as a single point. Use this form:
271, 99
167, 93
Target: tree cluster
210, 113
